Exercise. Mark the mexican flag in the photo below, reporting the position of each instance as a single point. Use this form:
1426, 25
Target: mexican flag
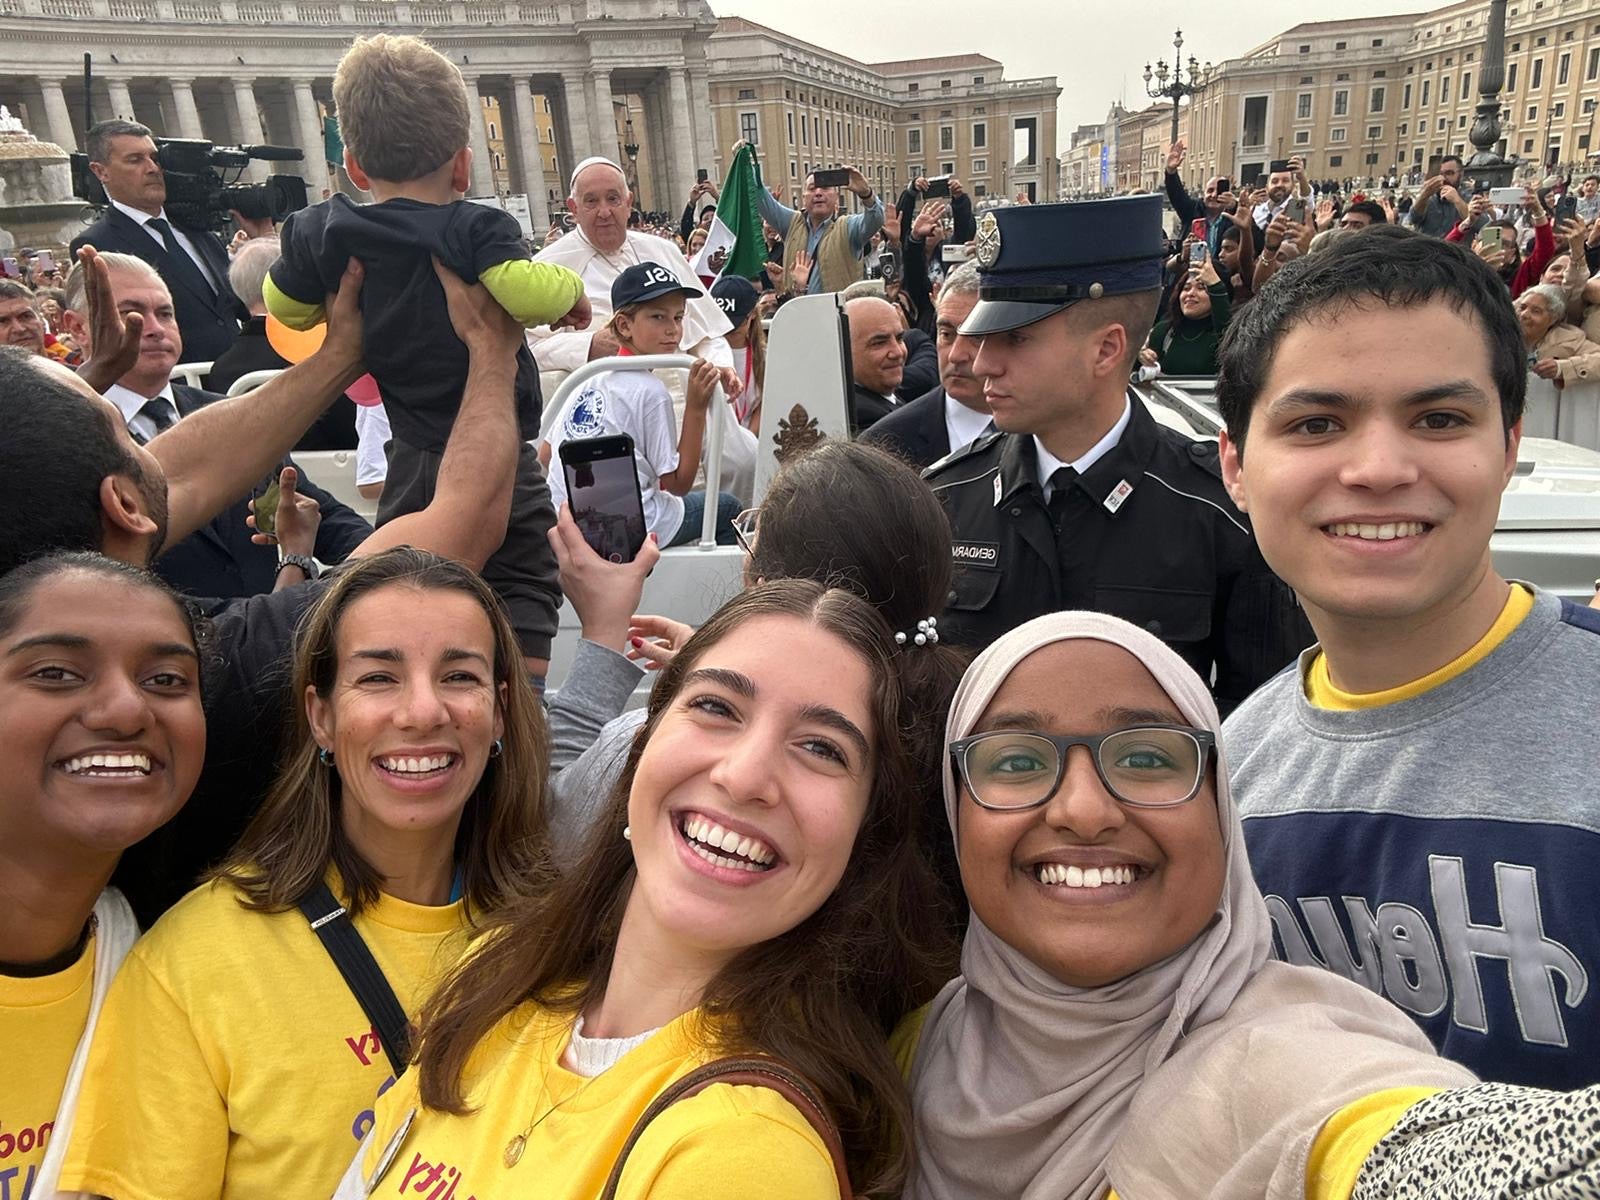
735, 245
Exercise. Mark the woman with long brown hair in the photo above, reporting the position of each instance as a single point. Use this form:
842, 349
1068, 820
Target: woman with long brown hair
754, 885
409, 802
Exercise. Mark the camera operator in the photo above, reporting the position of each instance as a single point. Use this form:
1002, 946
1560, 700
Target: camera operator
192, 262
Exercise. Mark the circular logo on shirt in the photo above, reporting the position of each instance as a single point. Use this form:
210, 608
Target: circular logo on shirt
587, 416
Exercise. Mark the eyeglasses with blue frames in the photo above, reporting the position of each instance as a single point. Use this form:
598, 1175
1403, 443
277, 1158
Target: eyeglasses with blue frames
1147, 766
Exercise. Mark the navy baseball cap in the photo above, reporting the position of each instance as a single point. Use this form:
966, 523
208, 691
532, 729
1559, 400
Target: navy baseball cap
736, 297
647, 281
1036, 259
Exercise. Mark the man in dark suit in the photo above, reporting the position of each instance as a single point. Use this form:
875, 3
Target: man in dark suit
953, 413
192, 262
218, 561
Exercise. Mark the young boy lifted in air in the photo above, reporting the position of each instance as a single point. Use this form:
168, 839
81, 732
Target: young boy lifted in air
1419, 793
405, 117
648, 303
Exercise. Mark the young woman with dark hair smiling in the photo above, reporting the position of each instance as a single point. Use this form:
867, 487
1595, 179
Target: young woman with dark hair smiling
103, 737
412, 792
753, 886
1118, 1028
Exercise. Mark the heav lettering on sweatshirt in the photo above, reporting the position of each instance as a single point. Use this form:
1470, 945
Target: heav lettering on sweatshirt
1441, 850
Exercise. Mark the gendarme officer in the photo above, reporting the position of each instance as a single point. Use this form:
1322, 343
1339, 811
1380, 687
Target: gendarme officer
1082, 500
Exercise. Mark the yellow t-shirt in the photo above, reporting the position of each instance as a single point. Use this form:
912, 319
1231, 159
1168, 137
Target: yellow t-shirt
1322, 693
41, 1022
232, 1060
1337, 1156
726, 1143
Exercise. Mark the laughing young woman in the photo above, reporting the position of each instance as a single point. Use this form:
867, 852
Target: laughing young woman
753, 886
413, 789
103, 740
1118, 1028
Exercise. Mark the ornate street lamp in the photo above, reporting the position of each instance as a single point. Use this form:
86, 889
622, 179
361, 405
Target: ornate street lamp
1180, 84
1486, 162
631, 149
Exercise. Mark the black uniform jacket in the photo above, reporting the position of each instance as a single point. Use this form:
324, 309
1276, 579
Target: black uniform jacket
1148, 534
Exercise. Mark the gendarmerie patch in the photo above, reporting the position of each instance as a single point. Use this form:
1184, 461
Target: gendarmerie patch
976, 554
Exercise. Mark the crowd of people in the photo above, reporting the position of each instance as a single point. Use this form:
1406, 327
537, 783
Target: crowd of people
1063, 807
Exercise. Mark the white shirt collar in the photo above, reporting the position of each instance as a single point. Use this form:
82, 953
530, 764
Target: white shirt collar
962, 424
129, 402
1049, 464
136, 214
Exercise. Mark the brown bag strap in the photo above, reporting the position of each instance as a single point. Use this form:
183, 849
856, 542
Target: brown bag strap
748, 1070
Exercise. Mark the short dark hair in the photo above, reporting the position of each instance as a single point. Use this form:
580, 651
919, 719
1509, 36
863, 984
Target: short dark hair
59, 446
1596, 178
10, 289
1451, 158
98, 143
1395, 266
1370, 208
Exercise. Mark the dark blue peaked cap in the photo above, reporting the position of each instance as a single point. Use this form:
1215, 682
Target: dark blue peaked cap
1037, 259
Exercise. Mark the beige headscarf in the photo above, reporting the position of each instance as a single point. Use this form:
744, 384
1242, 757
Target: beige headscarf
1208, 1074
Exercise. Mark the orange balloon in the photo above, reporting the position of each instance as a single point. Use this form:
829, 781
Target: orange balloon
292, 344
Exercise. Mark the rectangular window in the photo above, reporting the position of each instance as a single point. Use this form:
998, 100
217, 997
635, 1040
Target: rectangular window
747, 93
1444, 123
1466, 84
1375, 100
794, 170
1341, 103
1302, 107
748, 129
1336, 160
1511, 78
980, 191
1592, 71
1255, 121
791, 128
913, 141
1425, 85
1563, 67
980, 166
980, 135
1374, 132
1302, 137
947, 138
1461, 121
1533, 112
827, 134
1444, 89
1560, 109
947, 168
1405, 96
1336, 135
1538, 74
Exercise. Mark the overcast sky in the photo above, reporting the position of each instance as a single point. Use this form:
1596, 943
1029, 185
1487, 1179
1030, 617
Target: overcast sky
1096, 52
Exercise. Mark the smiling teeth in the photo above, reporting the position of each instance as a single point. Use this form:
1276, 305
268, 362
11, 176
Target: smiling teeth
108, 764
1056, 875
706, 837
1378, 533
417, 766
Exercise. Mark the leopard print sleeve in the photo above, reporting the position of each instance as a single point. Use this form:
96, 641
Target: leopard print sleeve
1490, 1142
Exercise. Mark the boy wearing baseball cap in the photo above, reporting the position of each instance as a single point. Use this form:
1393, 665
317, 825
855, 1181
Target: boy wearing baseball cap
648, 303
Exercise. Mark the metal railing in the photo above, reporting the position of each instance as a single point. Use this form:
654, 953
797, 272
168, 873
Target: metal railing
659, 362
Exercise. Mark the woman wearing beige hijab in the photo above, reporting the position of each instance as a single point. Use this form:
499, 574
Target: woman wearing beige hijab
1118, 1028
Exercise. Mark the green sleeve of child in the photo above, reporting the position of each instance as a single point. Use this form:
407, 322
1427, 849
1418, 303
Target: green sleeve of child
296, 314
534, 293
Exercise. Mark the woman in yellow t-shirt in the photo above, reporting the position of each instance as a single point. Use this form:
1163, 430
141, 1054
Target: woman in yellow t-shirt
754, 885
413, 788
1118, 1028
103, 737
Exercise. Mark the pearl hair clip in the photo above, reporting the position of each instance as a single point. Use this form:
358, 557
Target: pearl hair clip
927, 634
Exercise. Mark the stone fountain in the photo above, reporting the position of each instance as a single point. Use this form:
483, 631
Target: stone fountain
37, 207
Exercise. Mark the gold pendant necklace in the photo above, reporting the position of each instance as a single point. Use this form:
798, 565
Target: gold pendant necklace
515, 1147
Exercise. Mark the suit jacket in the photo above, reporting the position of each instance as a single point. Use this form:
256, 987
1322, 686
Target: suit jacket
209, 321
922, 365
866, 408
333, 430
916, 431
218, 561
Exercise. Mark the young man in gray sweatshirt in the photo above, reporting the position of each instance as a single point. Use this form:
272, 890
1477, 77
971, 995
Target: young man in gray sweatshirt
1421, 791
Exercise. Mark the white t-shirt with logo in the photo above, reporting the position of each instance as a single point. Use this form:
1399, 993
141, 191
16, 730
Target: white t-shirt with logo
638, 404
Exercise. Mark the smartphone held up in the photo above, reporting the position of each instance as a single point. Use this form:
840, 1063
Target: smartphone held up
603, 495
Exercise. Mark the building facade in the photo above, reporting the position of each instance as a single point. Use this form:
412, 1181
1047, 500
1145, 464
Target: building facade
1380, 96
805, 107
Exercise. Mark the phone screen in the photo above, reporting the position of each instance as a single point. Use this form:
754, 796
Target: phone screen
1197, 254
1295, 210
603, 495
837, 177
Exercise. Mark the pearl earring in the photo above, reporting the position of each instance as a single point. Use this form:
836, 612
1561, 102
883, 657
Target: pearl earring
627, 833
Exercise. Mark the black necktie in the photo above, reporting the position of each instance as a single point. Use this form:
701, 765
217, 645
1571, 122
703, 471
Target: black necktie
159, 413
180, 256
1061, 481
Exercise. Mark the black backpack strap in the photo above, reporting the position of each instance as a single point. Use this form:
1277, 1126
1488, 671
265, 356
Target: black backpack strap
361, 972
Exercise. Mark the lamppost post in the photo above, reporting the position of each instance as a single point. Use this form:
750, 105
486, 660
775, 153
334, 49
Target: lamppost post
1486, 162
1157, 86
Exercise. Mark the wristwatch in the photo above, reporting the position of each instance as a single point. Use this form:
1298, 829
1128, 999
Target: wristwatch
305, 562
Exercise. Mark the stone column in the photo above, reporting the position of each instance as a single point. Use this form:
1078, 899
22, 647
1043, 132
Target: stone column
121, 100
530, 154
184, 108
250, 134
577, 114
681, 165
57, 115
482, 170
655, 120
602, 117
314, 167
705, 123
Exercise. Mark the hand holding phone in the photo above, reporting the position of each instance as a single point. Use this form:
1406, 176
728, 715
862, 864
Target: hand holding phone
1197, 255
938, 186
603, 494
1295, 210
835, 177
